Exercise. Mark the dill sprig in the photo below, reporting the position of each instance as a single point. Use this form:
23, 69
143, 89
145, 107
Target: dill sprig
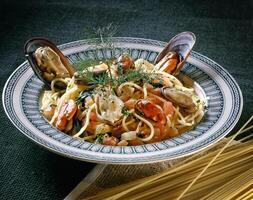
138, 75
98, 38
84, 64
102, 37
92, 79
105, 78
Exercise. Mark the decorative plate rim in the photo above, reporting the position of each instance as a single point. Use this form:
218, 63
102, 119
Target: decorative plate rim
127, 160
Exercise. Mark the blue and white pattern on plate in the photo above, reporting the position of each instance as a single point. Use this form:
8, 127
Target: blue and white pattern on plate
21, 103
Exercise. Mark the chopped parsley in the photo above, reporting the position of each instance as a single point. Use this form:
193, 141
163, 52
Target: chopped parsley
99, 138
125, 111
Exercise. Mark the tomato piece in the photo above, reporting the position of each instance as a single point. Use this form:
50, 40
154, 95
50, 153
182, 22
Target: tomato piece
91, 128
155, 100
93, 116
123, 143
61, 121
66, 113
171, 132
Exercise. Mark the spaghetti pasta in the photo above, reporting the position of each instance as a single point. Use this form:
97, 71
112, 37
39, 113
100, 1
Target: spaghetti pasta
127, 101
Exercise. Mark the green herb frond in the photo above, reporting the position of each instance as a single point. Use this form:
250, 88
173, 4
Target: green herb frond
84, 64
101, 37
99, 138
125, 111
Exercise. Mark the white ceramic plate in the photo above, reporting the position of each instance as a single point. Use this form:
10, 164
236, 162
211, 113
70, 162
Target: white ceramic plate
21, 103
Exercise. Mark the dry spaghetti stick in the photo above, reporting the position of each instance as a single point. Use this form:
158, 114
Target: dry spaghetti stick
120, 188
209, 180
218, 170
247, 137
155, 177
124, 187
115, 191
245, 194
212, 182
220, 167
217, 155
206, 157
220, 180
211, 186
165, 190
231, 188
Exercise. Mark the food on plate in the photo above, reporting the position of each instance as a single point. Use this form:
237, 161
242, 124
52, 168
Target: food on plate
120, 102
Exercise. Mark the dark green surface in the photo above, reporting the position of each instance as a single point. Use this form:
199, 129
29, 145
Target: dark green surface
224, 33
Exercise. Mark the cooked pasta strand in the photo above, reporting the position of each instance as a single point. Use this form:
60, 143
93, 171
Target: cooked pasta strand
152, 131
87, 119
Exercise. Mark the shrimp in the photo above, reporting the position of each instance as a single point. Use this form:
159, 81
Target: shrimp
125, 61
163, 81
168, 108
151, 111
112, 141
66, 114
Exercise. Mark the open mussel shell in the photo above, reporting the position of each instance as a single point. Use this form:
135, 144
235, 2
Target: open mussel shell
182, 44
32, 45
179, 98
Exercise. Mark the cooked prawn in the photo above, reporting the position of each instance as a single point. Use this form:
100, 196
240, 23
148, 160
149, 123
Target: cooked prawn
66, 113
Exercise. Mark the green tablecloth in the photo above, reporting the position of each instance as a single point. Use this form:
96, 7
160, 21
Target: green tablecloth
224, 33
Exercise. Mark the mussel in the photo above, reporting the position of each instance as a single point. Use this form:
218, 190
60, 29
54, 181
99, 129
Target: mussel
172, 58
47, 61
180, 98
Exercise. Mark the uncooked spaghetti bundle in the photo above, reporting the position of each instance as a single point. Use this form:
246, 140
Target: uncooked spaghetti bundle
224, 171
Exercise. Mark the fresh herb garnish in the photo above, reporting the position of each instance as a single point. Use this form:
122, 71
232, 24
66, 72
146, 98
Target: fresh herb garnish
99, 138
99, 38
105, 78
125, 111
82, 96
84, 64
102, 37
90, 78
137, 75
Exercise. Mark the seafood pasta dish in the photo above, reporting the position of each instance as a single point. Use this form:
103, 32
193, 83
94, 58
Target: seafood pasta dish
121, 101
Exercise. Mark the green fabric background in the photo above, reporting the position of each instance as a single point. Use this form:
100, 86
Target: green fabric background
224, 31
